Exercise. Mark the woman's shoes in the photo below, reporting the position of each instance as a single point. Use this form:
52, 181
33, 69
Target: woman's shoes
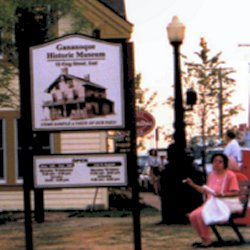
196, 244
201, 245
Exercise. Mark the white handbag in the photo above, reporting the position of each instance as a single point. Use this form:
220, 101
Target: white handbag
234, 204
215, 211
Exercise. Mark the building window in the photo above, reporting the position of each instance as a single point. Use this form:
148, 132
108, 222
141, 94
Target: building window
75, 94
65, 97
1, 44
19, 152
2, 158
70, 84
54, 97
43, 146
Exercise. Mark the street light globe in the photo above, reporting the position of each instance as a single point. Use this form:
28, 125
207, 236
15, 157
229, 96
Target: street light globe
176, 31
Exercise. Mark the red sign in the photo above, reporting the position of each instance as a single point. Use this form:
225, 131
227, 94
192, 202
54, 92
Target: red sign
145, 123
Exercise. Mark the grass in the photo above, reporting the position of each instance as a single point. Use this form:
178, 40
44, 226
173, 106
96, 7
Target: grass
145, 211
102, 230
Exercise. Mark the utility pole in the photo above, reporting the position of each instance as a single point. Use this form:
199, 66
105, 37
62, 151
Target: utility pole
30, 30
157, 137
222, 77
220, 101
247, 45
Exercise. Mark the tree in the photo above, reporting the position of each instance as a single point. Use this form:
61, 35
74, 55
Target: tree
54, 10
214, 87
143, 102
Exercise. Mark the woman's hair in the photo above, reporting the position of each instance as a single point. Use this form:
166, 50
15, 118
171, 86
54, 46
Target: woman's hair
153, 152
224, 158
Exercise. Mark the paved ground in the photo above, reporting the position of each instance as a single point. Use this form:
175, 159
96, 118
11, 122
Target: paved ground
151, 199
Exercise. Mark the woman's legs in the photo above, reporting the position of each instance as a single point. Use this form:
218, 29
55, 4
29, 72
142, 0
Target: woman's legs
198, 224
155, 177
157, 184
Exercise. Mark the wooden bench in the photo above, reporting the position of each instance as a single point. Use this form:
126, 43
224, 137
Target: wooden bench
244, 197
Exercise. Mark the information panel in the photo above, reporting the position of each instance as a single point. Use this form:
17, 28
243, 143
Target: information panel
77, 83
80, 170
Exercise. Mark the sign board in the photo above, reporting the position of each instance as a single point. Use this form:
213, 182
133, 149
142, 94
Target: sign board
122, 142
77, 83
80, 170
145, 122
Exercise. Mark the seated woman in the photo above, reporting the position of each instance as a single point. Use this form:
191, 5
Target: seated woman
218, 178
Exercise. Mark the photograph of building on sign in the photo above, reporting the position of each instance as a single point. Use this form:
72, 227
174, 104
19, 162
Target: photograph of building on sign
77, 83
77, 98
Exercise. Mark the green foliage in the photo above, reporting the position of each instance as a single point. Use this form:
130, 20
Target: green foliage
8, 93
143, 101
8, 9
215, 88
55, 9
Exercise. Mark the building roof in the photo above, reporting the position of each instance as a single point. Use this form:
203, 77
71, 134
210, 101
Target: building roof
71, 77
117, 6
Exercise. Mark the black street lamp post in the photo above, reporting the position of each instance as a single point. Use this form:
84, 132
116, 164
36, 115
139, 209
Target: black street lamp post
176, 36
177, 198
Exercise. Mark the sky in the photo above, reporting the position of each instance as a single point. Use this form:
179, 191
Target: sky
223, 23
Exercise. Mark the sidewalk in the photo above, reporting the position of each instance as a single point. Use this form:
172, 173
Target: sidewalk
151, 199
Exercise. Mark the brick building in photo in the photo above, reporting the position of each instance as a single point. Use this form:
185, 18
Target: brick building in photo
77, 98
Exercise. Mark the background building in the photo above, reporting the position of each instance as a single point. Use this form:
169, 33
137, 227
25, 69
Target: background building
108, 21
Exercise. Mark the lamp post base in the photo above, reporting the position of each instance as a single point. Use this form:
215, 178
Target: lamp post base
177, 198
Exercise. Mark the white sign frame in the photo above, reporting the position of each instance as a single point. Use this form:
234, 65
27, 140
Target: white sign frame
77, 83
85, 170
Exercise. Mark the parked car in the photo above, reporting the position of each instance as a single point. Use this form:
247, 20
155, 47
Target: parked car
142, 162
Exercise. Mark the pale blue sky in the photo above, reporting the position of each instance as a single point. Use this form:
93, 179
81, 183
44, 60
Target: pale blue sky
223, 23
